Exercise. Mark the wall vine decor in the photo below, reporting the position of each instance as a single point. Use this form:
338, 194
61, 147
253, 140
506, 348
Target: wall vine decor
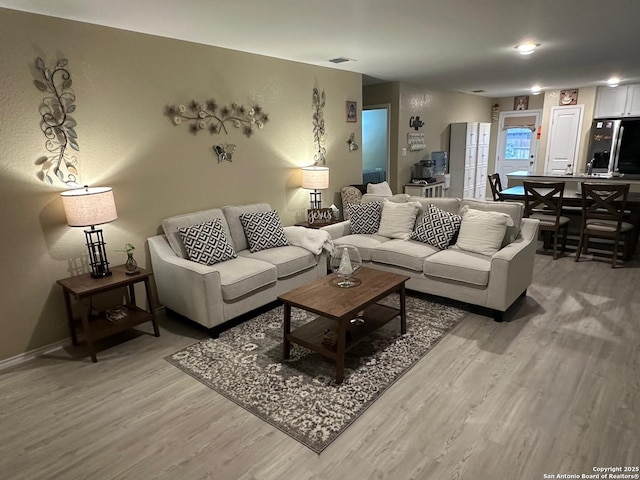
319, 134
57, 125
209, 116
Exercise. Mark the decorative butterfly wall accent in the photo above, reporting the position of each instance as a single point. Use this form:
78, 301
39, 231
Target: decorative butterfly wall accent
224, 151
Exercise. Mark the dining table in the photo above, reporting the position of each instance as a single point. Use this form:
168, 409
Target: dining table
572, 198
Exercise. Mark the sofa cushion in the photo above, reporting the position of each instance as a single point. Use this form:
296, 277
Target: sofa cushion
364, 217
170, 227
459, 266
397, 219
514, 209
232, 214
241, 276
397, 198
364, 243
402, 253
448, 204
288, 260
207, 243
482, 231
263, 230
437, 227
381, 188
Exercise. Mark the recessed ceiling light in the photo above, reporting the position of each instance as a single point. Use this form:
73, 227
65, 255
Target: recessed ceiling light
536, 89
613, 82
527, 48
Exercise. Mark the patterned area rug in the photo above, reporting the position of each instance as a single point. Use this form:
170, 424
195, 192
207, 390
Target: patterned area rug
299, 396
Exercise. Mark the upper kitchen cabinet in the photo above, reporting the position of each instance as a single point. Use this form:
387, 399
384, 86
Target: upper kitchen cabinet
616, 102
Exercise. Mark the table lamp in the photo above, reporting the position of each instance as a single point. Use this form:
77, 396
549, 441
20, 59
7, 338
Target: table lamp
315, 178
86, 207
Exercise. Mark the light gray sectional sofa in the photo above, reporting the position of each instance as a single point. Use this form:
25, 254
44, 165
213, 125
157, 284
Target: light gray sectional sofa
493, 280
213, 294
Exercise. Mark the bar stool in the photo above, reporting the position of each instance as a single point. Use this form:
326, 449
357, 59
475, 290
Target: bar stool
603, 216
543, 201
496, 187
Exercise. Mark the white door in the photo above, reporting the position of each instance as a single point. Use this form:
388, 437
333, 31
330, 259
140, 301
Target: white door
517, 141
564, 135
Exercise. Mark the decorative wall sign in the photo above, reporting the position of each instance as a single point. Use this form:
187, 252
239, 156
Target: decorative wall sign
568, 97
352, 111
319, 216
319, 135
209, 116
57, 125
521, 103
415, 123
416, 141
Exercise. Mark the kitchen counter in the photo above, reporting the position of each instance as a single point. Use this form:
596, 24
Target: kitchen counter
516, 178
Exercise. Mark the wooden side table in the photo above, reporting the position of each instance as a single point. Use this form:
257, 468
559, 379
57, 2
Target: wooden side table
96, 327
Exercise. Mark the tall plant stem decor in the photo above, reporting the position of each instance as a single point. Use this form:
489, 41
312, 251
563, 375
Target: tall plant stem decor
319, 135
57, 125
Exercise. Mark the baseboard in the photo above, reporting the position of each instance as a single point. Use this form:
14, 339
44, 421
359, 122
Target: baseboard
38, 352
31, 354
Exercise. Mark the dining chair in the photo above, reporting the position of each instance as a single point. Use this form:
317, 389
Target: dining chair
543, 201
603, 217
496, 187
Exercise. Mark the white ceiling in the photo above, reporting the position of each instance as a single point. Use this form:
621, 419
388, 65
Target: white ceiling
459, 45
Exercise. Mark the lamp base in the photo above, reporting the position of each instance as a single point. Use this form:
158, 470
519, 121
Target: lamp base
97, 253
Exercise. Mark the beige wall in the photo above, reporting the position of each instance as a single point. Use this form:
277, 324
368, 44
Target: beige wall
123, 81
437, 109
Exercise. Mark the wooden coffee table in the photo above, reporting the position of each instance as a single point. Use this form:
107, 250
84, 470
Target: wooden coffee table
337, 307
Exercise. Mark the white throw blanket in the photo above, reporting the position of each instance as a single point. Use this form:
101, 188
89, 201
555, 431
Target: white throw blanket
309, 238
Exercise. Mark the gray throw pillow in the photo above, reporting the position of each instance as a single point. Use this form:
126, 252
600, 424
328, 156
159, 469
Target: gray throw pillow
263, 230
207, 243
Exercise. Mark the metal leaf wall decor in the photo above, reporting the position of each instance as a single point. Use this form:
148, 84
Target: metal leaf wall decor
57, 124
319, 135
209, 116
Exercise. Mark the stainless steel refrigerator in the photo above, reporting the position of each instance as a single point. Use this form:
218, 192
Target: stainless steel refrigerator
615, 146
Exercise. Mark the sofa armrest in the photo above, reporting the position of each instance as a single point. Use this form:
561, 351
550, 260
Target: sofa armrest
189, 288
512, 267
338, 230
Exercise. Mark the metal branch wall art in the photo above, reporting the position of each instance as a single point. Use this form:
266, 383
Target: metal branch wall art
319, 135
57, 125
209, 116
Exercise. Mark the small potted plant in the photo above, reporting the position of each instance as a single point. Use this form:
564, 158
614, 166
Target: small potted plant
130, 266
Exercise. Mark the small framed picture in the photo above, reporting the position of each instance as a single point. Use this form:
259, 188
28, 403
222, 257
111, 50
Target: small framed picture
521, 103
568, 97
352, 111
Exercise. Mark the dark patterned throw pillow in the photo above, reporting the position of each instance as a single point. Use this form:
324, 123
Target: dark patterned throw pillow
364, 217
207, 243
437, 227
263, 230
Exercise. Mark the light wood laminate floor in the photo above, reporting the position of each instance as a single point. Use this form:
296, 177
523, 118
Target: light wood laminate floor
554, 391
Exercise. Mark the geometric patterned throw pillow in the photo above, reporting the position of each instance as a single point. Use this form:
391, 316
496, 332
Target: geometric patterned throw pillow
364, 217
437, 227
207, 243
263, 230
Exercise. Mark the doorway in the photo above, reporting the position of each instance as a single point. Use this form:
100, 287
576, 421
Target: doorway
517, 142
375, 143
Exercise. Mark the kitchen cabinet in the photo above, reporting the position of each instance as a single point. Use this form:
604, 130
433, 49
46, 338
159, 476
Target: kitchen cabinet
616, 102
469, 159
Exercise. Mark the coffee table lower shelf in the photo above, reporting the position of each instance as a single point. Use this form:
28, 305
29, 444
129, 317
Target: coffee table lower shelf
310, 335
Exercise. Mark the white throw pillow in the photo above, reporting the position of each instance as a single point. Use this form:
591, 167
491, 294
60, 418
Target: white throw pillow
397, 219
382, 189
482, 232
